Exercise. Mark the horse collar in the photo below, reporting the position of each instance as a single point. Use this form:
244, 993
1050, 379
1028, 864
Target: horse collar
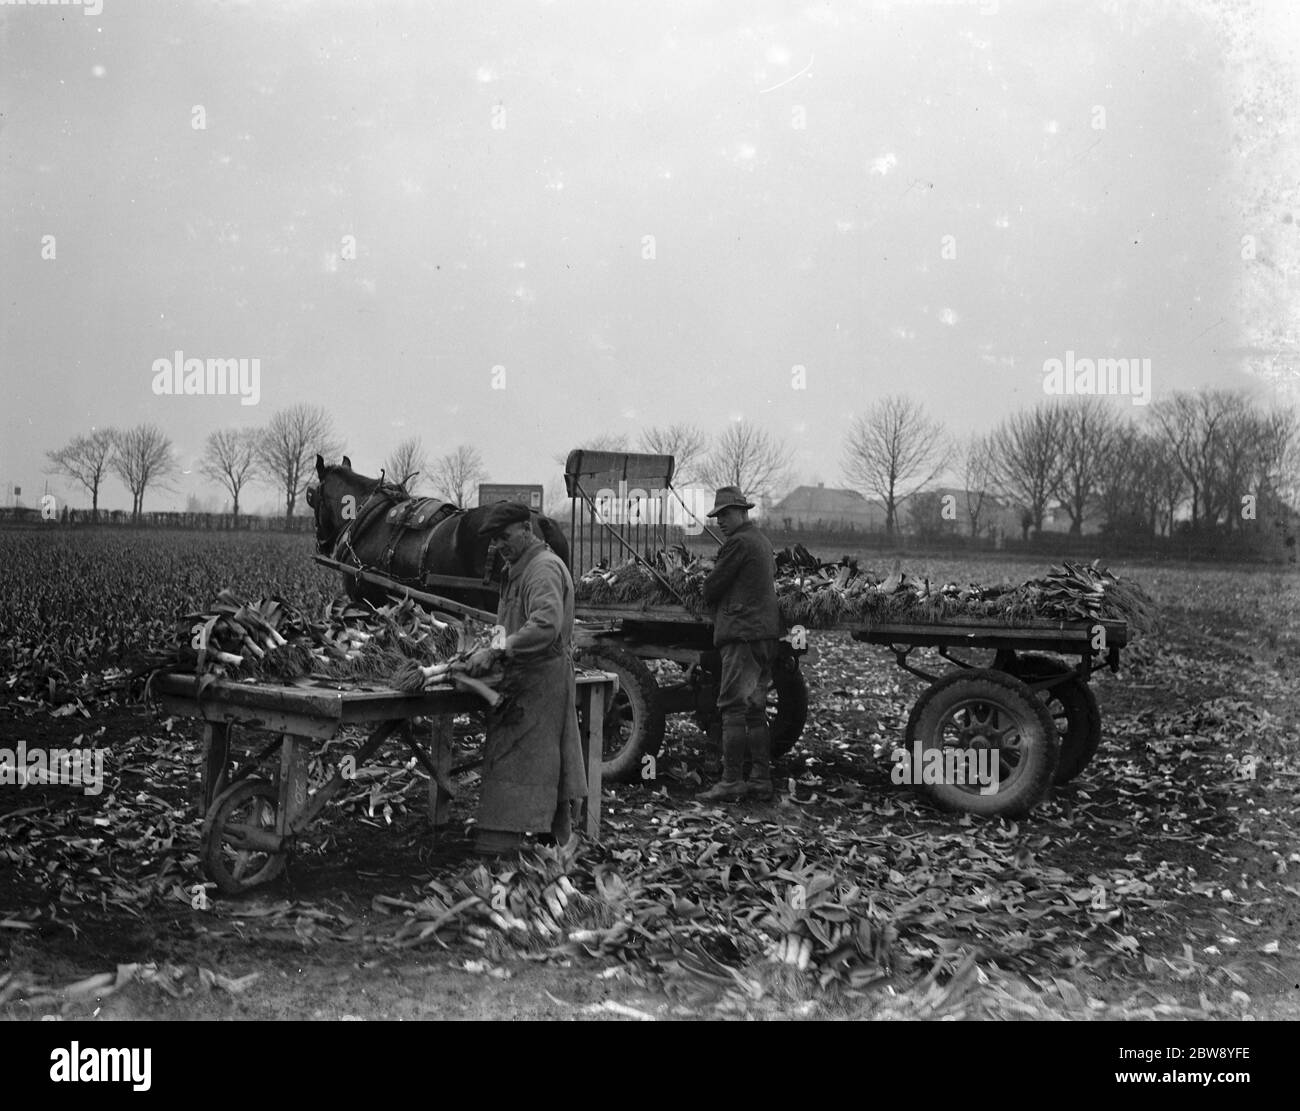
343, 538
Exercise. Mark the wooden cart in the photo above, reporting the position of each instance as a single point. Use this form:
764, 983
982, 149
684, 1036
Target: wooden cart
620, 638
623, 505
251, 823
1032, 715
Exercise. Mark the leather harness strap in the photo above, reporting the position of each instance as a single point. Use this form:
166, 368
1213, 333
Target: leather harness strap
441, 514
405, 514
398, 516
353, 529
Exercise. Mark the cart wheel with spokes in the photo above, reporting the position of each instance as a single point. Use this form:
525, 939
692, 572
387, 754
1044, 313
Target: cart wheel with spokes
981, 711
234, 865
1073, 707
787, 704
634, 725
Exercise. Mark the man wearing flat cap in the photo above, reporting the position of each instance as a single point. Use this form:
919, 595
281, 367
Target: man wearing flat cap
533, 775
741, 589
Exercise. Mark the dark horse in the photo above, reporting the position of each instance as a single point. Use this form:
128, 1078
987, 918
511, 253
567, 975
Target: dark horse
376, 524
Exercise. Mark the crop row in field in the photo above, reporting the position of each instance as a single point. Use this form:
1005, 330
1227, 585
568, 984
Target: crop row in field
77, 602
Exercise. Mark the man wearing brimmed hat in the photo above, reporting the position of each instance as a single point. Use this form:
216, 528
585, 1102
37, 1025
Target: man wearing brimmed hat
741, 589
533, 775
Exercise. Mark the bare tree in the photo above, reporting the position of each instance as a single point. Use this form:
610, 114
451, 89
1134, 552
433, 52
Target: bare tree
1193, 426
1167, 480
1238, 455
288, 448
1027, 461
685, 443
977, 478
1276, 468
457, 473
605, 441
1088, 426
407, 460
85, 459
925, 514
230, 459
141, 456
1133, 484
893, 451
748, 457
1224, 447
1117, 482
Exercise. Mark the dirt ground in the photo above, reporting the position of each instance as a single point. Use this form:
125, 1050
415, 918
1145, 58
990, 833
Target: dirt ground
1197, 865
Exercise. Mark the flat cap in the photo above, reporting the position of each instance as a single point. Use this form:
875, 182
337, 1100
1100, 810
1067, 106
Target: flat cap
501, 514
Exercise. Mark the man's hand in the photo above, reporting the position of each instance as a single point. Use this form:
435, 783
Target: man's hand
481, 662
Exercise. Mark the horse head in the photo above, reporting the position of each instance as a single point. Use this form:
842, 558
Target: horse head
335, 497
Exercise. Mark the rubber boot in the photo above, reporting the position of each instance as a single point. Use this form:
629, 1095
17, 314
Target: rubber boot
735, 741
759, 739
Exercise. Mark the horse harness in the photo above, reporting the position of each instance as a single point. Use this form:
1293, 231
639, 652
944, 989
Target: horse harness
407, 515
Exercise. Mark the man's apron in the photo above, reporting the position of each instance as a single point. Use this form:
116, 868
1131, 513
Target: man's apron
532, 761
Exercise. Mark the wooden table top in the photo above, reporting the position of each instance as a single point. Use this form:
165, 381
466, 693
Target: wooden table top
330, 699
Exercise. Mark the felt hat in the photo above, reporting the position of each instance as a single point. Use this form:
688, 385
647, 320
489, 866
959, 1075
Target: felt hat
728, 496
501, 515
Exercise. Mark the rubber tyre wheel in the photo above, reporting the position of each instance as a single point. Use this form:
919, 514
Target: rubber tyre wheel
1023, 781
225, 864
789, 691
634, 725
1073, 701
787, 709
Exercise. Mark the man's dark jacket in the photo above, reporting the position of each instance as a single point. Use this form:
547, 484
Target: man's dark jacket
741, 588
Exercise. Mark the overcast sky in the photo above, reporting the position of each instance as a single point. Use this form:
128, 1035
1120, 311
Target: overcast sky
500, 167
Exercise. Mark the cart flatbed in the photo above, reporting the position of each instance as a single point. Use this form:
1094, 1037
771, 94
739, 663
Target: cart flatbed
318, 710
630, 611
1065, 637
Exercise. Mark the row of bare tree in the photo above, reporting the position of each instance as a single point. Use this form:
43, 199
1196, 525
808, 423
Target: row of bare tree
742, 455
1206, 451
1200, 450
282, 455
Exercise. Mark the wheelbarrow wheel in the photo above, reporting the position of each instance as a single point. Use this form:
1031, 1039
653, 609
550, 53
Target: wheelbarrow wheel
1073, 707
233, 865
965, 715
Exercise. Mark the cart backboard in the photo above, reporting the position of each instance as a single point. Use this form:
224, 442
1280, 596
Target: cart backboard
623, 503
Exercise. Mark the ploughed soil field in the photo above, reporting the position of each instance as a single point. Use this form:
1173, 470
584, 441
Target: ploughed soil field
1163, 882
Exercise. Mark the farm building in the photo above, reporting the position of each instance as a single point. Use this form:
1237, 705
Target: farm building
820, 507
817, 507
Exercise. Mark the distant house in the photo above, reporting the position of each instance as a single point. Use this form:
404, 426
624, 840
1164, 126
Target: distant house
817, 507
1057, 518
996, 517
829, 509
